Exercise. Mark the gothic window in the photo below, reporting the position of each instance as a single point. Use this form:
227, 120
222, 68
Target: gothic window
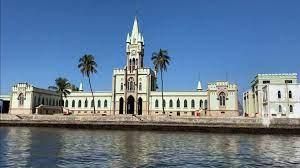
140, 86
67, 103
193, 103
201, 103
136, 62
99, 103
21, 99
122, 86
105, 103
133, 64
130, 65
131, 84
79, 103
86, 103
185, 104
73, 103
279, 94
222, 98
279, 108
164, 103
291, 108
290, 94
156, 103
205, 104
171, 103
178, 103
43, 102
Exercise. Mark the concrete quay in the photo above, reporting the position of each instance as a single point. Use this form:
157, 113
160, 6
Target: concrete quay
159, 123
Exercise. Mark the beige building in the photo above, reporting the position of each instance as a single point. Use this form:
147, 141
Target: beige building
133, 92
273, 95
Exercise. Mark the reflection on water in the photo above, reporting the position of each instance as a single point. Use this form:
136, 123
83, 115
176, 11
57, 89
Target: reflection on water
55, 147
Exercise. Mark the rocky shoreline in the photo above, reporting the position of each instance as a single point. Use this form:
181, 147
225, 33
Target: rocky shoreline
158, 123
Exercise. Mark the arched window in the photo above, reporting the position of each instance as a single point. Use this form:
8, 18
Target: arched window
185, 104
156, 103
291, 108
43, 102
79, 103
86, 103
56, 103
171, 103
205, 104
46, 101
73, 103
130, 65
164, 103
121, 86
53, 103
201, 103
99, 103
222, 98
136, 62
131, 84
67, 103
39, 101
279, 108
193, 103
178, 103
93, 103
279, 95
133, 64
105, 103
21, 99
290, 94
140, 86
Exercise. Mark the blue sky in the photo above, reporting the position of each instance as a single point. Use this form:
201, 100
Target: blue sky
207, 39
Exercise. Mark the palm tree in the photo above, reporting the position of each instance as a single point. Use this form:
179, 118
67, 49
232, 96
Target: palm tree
160, 61
87, 66
62, 88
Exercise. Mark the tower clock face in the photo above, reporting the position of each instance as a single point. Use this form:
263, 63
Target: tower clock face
133, 52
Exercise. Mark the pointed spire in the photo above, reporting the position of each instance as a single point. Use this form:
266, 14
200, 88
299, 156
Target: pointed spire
139, 37
135, 29
81, 87
199, 87
128, 38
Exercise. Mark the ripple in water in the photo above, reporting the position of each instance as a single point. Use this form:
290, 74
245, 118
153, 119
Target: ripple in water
55, 147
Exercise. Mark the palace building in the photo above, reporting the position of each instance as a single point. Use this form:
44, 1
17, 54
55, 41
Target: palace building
134, 91
274, 96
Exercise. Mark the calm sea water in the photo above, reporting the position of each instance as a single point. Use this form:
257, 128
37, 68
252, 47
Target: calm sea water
55, 147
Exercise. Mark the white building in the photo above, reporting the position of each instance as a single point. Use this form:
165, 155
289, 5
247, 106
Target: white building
273, 95
133, 92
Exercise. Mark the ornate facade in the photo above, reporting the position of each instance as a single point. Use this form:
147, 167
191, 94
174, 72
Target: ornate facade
133, 92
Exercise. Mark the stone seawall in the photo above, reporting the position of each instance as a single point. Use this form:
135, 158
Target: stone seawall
161, 123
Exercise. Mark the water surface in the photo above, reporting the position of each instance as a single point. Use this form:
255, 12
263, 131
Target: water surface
57, 147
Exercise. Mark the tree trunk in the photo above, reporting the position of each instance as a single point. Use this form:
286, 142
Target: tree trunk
61, 103
92, 95
162, 90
